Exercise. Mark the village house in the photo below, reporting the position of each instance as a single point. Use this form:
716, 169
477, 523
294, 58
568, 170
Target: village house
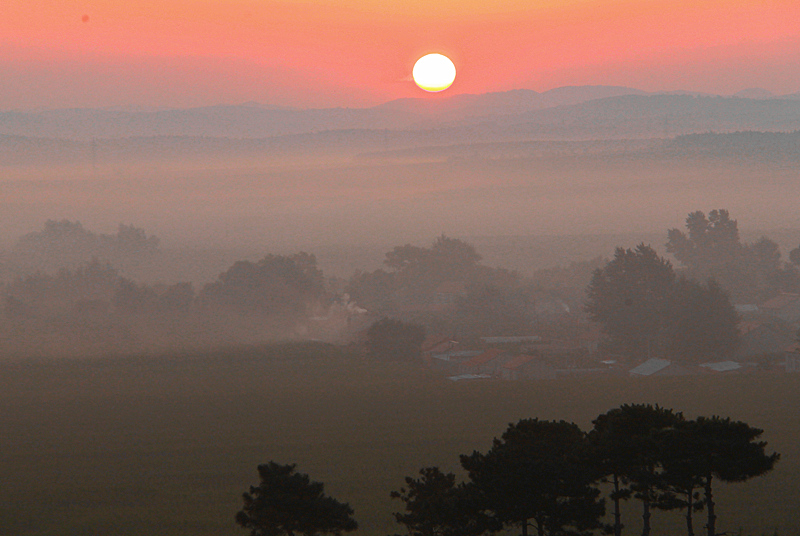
527, 367
452, 360
658, 367
437, 344
722, 367
487, 362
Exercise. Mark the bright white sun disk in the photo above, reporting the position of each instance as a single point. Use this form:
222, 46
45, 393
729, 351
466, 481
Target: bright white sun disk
434, 72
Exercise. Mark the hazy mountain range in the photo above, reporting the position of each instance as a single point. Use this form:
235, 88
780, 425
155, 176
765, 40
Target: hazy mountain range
565, 113
512, 124
569, 161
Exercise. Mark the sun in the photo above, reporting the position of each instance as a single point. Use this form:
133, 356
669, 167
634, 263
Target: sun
434, 72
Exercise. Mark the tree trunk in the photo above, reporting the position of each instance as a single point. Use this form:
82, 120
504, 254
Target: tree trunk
524, 527
712, 516
689, 510
646, 517
617, 514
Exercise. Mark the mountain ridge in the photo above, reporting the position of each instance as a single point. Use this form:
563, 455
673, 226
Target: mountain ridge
570, 112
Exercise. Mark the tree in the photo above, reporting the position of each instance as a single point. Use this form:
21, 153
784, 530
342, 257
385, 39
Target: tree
538, 471
490, 309
624, 441
405, 257
373, 290
645, 310
680, 473
413, 274
394, 340
629, 297
276, 285
289, 503
131, 240
130, 297
714, 448
713, 250
453, 257
66, 244
418, 271
701, 322
436, 506
712, 247
794, 256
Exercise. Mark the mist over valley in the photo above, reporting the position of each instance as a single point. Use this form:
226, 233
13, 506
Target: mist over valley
188, 294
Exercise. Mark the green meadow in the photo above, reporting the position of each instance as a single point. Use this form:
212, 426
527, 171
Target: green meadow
166, 445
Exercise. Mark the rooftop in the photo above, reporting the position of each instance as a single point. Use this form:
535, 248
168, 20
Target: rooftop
484, 357
462, 377
518, 361
511, 340
457, 355
651, 366
722, 366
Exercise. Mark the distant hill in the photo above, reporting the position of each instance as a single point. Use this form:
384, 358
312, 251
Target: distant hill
774, 146
252, 120
655, 116
750, 145
369, 147
244, 121
569, 113
506, 102
755, 93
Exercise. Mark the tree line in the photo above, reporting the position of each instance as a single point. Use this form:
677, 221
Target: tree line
545, 477
95, 307
647, 306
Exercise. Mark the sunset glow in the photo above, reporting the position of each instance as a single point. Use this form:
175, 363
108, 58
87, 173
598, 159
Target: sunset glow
361, 52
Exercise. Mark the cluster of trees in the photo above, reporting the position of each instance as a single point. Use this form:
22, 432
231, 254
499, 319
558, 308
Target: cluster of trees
711, 248
67, 244
413, 274
543, 475
646, 310
94, 306
647, 307
489, 300
276, 285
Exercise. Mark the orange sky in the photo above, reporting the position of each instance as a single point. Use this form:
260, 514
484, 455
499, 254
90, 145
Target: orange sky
360, 52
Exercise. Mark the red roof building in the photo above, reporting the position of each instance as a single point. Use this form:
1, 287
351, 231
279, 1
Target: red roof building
487, 362
527, 367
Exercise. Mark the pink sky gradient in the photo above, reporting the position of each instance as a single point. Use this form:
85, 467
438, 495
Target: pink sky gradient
360, 52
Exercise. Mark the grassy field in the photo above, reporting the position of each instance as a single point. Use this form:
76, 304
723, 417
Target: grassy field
165, 446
